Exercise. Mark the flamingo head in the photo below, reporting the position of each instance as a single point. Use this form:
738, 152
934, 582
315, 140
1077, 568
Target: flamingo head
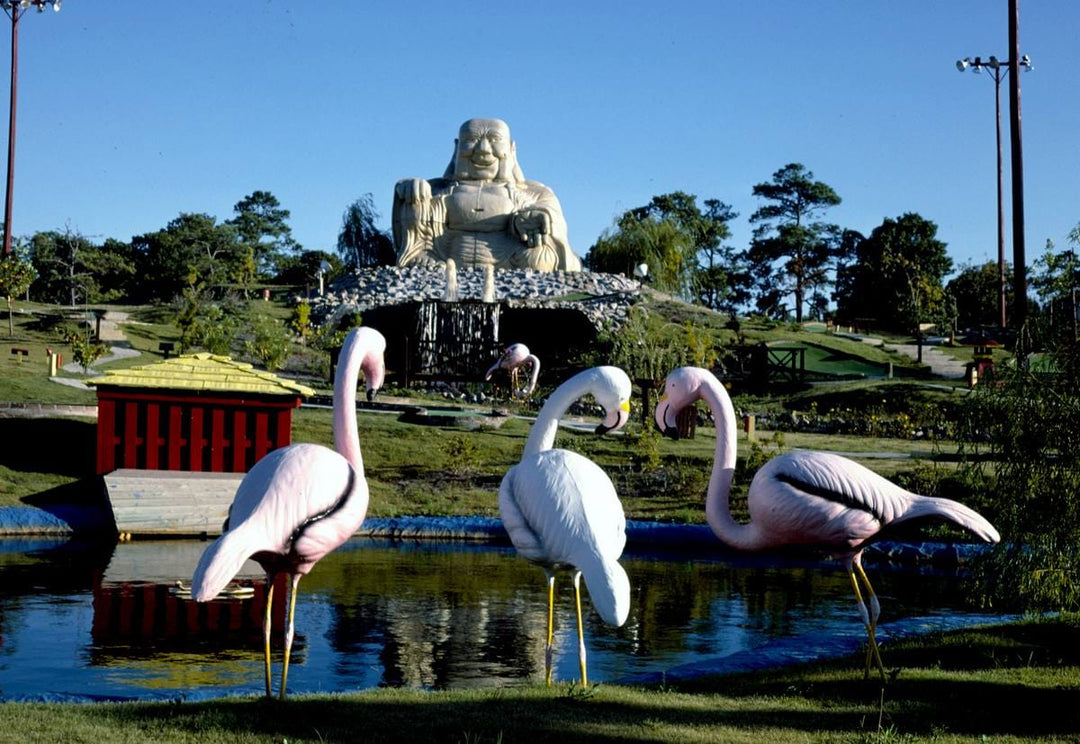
681, 389
372, 365
514, 355
612, 389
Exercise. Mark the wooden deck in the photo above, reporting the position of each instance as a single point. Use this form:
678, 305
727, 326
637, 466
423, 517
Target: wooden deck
170, 502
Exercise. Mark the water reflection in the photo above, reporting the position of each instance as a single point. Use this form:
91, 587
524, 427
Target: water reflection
102, 620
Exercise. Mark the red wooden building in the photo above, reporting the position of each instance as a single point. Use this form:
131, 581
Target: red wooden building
199, 413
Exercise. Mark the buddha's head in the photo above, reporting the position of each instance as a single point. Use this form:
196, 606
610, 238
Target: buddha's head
485, 152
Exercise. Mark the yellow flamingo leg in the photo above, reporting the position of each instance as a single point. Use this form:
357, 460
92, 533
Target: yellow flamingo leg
266, 631
289, 633
580, 629
865, 615
875, 613
550, 627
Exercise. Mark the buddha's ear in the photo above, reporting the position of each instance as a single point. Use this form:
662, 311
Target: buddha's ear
451, 169
515, 171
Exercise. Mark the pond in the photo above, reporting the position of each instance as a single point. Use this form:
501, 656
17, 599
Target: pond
102, 621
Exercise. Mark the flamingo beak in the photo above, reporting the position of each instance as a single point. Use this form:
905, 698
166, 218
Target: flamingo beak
371, 394
617, 419
661, 419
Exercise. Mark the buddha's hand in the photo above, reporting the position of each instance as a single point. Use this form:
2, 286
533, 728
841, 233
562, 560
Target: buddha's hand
413, 190
532, 226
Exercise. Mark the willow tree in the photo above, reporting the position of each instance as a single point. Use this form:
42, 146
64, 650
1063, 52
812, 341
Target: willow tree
681, 243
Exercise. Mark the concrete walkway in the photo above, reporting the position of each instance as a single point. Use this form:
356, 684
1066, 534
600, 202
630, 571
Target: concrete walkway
109, 333
940, 363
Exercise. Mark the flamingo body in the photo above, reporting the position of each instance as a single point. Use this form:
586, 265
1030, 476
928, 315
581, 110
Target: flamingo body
822, 499
514, 357
561, 511
806, 498
283, 518
299, 502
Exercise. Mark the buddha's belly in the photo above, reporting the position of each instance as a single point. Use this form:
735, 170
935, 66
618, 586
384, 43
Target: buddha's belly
469, 248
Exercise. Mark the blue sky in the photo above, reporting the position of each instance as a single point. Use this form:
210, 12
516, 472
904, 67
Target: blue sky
132, 112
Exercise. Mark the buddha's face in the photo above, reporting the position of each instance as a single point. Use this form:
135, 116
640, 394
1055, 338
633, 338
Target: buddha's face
483, 146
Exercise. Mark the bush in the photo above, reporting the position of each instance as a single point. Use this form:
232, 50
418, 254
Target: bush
1029, 426
268, 342
461, 453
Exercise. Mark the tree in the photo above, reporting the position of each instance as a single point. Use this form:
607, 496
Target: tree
15, 276
897, 276
60, 262
263, 227
660, 243
359, 242
191, 244
977, 292
1056, 279
303, 270
682, 245
790, 252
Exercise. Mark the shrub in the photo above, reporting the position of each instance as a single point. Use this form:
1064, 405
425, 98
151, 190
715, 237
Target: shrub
268, 342
462, 454
1029, 425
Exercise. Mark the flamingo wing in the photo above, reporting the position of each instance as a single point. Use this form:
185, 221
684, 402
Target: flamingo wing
819, 498
560, 508
297, 503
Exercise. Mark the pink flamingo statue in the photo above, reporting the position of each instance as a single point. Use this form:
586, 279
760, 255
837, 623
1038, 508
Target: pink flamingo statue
514, 357
299, 502
561, 511
806, 498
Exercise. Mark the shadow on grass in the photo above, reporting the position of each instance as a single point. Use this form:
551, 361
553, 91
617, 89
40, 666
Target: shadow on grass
48, 445
932, 707
994, 681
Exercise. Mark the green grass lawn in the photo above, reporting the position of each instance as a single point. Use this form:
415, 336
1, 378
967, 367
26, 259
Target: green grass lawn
423, 470
1014, 683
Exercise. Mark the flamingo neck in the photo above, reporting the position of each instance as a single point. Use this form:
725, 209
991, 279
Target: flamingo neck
535, 372
718, 497
346, 441
542, 434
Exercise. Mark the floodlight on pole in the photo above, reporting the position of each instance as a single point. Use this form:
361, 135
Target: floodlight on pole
998, 70
15, 10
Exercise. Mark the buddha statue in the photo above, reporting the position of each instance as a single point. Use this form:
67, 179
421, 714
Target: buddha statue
482, 212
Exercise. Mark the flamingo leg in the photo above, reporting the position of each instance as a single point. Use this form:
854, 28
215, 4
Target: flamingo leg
875, 613
580, 629
864, 613
266, 630
289, 633
550, 627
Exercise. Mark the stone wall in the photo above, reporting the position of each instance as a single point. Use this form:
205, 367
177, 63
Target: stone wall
603, 298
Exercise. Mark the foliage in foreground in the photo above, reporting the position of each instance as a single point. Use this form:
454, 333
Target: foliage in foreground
1029, 424
1011, 683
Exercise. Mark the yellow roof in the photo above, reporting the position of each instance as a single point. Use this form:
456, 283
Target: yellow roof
202, 372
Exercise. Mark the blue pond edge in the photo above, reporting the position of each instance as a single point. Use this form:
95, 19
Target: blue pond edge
67, 520
808, 647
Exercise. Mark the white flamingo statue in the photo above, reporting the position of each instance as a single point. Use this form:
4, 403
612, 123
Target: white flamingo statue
513, 358
806, 498
561, 511
299, 502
